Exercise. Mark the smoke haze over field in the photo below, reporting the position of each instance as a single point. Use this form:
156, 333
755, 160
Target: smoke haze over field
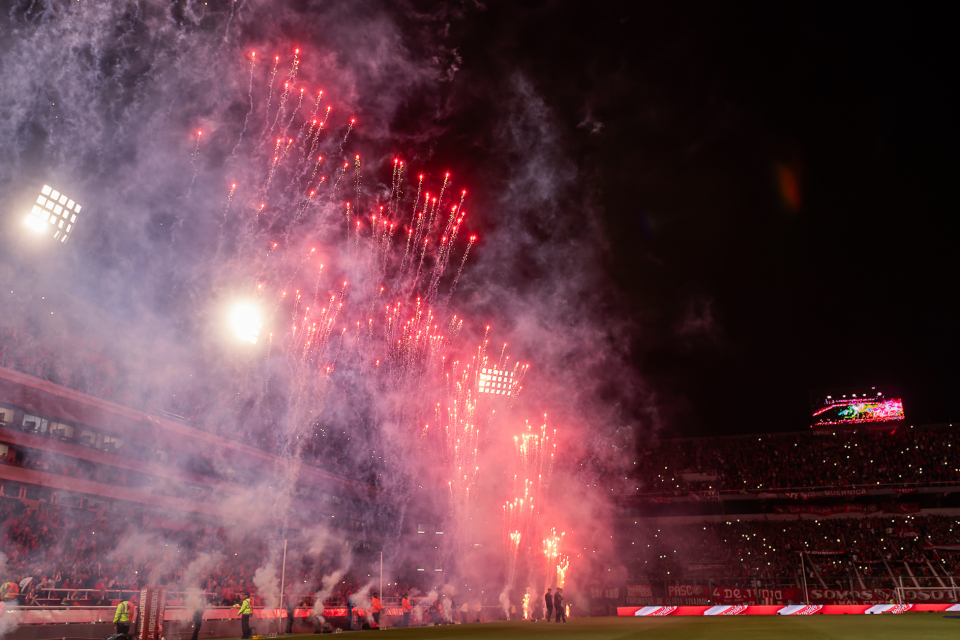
208, 179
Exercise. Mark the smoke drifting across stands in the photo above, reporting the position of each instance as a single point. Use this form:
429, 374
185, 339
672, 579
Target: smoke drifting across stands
213, 173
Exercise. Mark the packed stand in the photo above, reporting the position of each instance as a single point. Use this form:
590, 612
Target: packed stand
91, 560
834, 548
910, 456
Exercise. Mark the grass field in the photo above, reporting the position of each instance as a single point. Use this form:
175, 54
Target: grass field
908, 626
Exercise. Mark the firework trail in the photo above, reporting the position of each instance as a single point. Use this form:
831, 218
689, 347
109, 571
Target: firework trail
246, 119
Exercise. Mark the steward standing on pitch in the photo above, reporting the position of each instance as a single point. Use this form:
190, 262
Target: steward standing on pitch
246, 609
376, 608
407, 608
122, 617
548, 600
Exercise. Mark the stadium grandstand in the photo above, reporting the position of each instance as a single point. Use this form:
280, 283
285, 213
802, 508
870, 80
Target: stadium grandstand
830, 516
105, 489
89, 462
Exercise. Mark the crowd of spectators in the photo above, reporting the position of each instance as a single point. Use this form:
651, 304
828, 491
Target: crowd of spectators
66, 558
908, 456
833, 548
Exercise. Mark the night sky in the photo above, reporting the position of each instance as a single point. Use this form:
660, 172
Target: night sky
776, 185
772, 186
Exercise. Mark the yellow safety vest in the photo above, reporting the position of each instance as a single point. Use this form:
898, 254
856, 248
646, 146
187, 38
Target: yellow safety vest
123, 612
246, 608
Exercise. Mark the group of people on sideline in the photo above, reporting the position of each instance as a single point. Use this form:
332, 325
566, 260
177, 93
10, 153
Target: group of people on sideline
554, 602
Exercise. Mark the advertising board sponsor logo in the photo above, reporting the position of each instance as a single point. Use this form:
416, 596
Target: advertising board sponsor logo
829, 510
686, 591
826, 493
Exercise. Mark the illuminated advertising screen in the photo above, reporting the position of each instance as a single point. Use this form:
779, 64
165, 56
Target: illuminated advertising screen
855, 406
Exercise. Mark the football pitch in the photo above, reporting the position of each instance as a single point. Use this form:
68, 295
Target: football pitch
907, 626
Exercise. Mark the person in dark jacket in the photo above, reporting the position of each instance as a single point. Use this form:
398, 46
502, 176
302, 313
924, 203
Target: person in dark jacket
197, 621
291, 609
349, 611
558, 605
548, 600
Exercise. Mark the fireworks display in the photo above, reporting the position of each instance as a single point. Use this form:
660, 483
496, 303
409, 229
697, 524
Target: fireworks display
306, 277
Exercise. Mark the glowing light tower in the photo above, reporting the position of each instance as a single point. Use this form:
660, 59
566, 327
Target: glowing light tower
246, 323
53, 213
497, 381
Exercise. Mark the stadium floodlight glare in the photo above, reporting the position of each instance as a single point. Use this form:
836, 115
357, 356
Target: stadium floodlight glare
53, 213
246, 323
496, 381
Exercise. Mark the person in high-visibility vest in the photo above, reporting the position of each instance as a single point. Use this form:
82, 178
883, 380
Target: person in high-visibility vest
246, 609
122, 617
9, 590
407, 608
376, 608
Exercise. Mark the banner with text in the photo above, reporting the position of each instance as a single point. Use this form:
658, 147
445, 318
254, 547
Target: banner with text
153, 603
742, 595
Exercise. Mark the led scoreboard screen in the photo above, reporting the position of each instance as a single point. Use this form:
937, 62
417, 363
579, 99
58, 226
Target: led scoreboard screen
855, 406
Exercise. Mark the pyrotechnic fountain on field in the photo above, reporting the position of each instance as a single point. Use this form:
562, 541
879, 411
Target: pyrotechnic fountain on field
535, 453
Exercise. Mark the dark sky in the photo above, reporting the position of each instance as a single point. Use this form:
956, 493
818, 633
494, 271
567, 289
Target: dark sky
777, 184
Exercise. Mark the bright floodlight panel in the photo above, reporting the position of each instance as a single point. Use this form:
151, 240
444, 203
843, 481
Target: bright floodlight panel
496, 381
53, 212
855, 406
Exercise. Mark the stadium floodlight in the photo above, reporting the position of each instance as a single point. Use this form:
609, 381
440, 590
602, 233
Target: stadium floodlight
245, 320
496, 381
53, 213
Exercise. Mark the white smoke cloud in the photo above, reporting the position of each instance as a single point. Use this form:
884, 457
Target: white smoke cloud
164, 244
